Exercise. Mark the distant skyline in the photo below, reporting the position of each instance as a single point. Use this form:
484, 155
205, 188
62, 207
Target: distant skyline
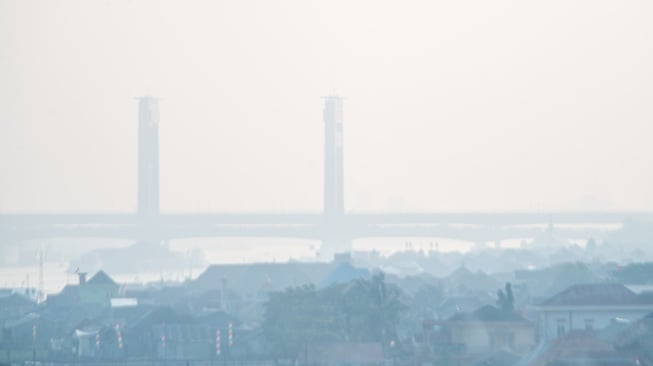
449, 106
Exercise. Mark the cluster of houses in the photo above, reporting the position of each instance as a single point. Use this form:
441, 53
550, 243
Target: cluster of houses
217, 317
606, 324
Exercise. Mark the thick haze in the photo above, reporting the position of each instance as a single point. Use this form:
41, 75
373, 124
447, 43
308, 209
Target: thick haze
450, 105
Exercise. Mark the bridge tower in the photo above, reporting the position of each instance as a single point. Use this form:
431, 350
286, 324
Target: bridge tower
333, 157
334, 238
148, 158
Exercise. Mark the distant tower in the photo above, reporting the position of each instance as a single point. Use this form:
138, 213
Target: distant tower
333, 158
148, 157
40, 295
335, 237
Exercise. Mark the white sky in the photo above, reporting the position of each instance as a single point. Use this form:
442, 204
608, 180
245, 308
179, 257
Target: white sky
451, 105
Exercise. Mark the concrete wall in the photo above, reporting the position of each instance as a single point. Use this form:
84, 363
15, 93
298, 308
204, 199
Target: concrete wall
575, 319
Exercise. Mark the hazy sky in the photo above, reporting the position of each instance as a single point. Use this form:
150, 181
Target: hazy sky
450, 105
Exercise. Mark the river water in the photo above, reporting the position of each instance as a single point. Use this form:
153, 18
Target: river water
58, 272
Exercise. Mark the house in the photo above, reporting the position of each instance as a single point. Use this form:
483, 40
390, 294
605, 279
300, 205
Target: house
98, 290
30, 330
14, 306
488, 329
253, 281
158, 332
30, 293
67, 297
26, 338
589, 307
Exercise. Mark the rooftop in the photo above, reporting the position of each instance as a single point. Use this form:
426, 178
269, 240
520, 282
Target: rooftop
257, 277
489, 313
101, 278
596, 294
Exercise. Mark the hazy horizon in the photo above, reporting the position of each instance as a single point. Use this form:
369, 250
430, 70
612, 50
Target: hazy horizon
450, 106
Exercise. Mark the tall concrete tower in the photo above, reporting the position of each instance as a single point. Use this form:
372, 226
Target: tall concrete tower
148, 157
334, 199
335, 237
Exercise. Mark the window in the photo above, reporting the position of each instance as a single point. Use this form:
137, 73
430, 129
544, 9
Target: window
589, 324
560, 327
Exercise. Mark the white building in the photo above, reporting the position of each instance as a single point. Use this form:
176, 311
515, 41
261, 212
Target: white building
589, 307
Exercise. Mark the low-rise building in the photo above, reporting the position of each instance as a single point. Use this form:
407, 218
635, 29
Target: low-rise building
589, 307
100, 289
489, 329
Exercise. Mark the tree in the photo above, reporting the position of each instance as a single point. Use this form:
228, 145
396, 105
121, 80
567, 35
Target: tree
295, 317
426, 300
372, 309
506, 300
363, 310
